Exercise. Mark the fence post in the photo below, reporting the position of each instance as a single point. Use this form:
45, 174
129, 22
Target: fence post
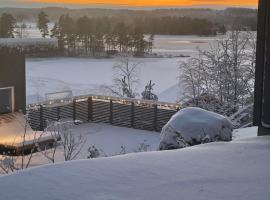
90, 109
132, 114
58, 113
74, 110
41, 118
155, 117
111, 111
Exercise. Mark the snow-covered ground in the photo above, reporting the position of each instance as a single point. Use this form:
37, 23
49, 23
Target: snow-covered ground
106, 138
223, 170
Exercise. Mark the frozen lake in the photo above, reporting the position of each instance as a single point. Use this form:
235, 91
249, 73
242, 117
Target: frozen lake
87, 75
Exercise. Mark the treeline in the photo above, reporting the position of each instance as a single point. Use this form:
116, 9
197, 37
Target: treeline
7, 26
95, 36
181, 26
104, 34
229, 17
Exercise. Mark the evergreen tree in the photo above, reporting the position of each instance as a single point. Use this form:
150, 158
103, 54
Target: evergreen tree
139, 43
7, 26
21, 31
84, 30
42, 24
57, 33
148, 92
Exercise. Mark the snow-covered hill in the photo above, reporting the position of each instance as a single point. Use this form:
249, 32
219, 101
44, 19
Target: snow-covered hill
235, 170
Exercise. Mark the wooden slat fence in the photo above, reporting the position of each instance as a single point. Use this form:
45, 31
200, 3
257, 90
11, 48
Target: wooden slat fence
131, 113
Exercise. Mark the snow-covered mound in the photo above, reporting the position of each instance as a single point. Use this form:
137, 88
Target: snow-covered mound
191, 126
217, 171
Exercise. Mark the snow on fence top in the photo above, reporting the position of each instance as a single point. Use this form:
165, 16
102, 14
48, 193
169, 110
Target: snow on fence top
122, 100
28, 44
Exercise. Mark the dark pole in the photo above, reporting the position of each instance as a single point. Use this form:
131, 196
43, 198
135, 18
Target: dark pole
155, 118
132, 114
262, 76
74, 111
90, 109
41, 118
58, 113
111, 111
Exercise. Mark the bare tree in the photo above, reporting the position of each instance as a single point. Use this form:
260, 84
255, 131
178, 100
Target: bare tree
192, 78
49, 152
72, 143
225, 71
126, 77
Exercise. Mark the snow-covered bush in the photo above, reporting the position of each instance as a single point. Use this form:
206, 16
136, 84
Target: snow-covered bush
143, 147
148, 92
207, 102
93, 152
243, 118
192, 126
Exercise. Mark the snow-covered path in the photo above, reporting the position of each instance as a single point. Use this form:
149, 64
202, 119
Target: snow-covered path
234, 170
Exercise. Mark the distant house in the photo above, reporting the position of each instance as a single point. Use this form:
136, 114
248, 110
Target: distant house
262, 83
12, 70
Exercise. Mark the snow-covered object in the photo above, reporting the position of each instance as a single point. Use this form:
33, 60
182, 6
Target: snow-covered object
16, 132
191, 126
26, 44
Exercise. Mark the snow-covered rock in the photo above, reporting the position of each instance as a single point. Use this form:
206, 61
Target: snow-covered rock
191, 126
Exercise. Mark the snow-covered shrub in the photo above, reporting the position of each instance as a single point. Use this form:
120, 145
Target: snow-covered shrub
192, 126
148, 92
93, 152
123, 150
7, 165
243, 118
208, 102
143, 147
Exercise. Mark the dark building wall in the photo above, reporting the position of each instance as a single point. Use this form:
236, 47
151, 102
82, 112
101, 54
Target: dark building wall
12, 74
262, 82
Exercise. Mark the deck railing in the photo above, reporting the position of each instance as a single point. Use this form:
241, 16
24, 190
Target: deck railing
124, 112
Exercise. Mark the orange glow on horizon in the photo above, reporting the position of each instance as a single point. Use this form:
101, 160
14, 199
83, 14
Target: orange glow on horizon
149, 3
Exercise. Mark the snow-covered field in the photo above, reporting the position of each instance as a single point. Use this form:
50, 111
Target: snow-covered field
223, 170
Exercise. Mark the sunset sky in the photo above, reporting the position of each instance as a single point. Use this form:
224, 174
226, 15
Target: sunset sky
133, 3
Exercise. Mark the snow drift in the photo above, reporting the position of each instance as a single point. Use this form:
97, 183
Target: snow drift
217, 171
191, 126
